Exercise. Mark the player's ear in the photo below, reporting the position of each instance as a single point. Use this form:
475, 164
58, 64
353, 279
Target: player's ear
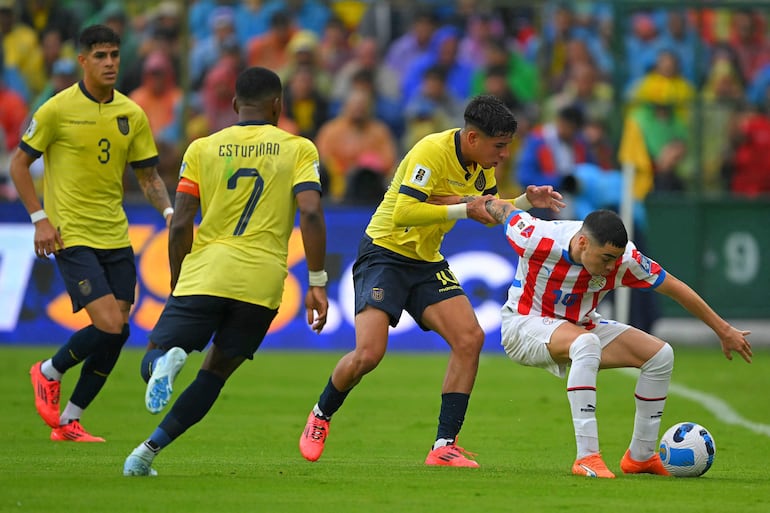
277, 106
236, 106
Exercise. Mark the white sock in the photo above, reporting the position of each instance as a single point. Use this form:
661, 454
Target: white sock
49, 371
71, 412
317, 411
442, 442
650, 397
585, 353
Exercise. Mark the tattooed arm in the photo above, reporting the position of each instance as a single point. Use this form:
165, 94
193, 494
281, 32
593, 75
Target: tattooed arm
499, 209
154, 190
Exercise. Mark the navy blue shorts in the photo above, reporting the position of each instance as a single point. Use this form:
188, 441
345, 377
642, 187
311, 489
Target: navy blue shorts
393, 283
189, 322
90, 273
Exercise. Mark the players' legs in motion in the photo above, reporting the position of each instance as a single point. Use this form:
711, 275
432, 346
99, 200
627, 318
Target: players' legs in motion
456, 322
190, 407
570, 343
655, 359
98, 347
159, 370
371, 342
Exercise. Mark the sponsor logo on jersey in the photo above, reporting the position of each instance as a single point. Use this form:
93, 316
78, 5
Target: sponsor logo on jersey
420, 175
644, 262
527, 232
123, 125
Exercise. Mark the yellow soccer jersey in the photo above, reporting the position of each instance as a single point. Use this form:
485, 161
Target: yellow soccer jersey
86, 146
434, 166
247, 175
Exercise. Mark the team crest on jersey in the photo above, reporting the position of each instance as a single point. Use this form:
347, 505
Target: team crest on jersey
31, 128
378, 294
597, 283
85, 287
481, 182
123, 125
644, 262
420, 175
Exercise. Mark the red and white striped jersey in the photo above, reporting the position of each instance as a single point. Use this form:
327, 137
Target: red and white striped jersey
548, 283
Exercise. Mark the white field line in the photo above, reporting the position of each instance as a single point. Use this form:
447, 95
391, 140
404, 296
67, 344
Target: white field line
714, 404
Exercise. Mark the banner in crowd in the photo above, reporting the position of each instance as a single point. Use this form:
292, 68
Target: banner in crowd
35, 307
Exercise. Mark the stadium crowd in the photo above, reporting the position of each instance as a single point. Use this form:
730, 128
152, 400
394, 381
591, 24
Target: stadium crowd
682, 94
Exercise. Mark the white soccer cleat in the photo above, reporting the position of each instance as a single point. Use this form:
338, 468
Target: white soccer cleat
161, 383
136, 465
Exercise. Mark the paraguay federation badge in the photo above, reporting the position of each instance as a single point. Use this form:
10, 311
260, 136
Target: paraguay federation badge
123, 125
597, 283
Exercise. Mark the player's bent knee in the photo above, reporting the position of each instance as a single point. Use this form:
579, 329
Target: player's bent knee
586, 349
661, 363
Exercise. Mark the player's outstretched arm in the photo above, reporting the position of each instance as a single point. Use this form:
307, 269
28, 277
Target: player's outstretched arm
731, 338
312, 225
543, 196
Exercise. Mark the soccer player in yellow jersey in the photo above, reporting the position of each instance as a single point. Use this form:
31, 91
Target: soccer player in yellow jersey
249, 180
399, 267
87, 134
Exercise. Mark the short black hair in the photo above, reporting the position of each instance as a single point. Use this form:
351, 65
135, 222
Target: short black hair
605, 226
572, 114
257, 84
490, 115
95, 35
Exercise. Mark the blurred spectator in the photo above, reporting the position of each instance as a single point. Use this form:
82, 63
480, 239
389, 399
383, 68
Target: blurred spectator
63, 74
304, 104
422, 117
304, 14
387, 21
679, 37
43, 15
207, 52
654, 141
113, 14
21, 48
442, 52
386, 109
271, 49
558, 30
480, 27
159, 92
54, 48
551, 151
747, 167
161, 39
334, 50
198, 19
433, 90
303, 52
600, 144
12, 116
217, 96
366, 57
722, 95
353, 135
248, 20
522, 76
584, 89
664, 84
409, 47
640, 45
749, 41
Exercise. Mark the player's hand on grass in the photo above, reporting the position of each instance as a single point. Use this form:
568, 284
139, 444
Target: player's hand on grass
543, 196
47, 239
317, 307
735, 340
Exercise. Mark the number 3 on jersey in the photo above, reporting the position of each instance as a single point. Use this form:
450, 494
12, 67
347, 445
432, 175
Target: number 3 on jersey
251, 204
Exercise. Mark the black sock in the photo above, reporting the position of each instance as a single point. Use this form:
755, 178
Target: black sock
331, 399
193, 404
450, 419
149, 358
96, 368
80, 346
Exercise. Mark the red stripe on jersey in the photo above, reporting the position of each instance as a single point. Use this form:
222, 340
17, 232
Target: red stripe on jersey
535, 263
554, 283
572, 312
518, 249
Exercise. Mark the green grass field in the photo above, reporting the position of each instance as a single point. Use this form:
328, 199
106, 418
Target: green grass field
244, 456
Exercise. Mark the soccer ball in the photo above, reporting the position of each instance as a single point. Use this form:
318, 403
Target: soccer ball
687, 449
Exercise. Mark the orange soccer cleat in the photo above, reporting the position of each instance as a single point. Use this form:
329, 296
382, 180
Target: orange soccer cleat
592, 466
311, 442
651, 466
451, 455
73, 432
47, 393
